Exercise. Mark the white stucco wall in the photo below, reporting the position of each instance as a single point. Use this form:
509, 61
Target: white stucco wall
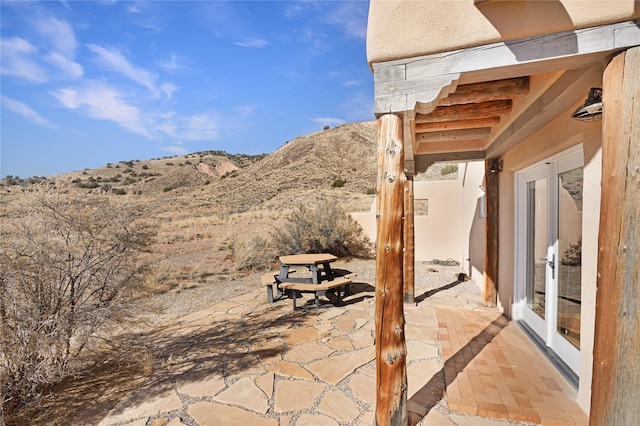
453, 227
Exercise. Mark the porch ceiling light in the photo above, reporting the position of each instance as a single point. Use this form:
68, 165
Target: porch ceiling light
591, 110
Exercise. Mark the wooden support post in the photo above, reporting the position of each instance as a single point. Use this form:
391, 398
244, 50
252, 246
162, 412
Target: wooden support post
391, 350
616, 352
408, 273
490, 294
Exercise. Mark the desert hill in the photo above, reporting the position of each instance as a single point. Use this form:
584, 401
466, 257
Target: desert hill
211, 209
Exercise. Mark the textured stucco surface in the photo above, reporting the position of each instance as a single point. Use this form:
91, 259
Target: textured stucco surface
400, 29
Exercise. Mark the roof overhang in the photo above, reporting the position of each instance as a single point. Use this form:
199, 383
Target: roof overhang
480, 102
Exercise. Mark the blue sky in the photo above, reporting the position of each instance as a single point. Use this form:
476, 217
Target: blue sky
86, 83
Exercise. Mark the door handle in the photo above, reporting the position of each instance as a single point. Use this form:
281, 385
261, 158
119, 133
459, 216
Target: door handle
552, 265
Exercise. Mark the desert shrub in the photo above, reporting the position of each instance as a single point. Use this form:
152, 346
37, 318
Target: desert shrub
449, 169
338, 183
253, 254
323, 227
68, 268
371, 191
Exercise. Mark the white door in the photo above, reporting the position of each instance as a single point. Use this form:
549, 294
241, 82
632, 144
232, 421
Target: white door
548, 252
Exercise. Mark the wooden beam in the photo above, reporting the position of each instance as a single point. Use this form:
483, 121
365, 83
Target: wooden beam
453, 135
408, 143
419, 82
450, 146
571, 86
400, 95
490, 293
467, 111
616, 351
390, 346
409, 254
423, 161
474, 123
488, 91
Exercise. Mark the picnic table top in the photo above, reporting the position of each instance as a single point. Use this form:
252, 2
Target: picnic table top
307, 259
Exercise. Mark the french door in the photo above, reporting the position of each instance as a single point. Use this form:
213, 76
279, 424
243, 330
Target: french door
548, 252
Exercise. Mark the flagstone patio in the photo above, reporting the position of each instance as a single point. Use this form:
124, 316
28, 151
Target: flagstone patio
248, 362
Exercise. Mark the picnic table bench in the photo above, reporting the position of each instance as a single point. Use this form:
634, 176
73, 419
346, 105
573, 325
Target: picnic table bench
322, 278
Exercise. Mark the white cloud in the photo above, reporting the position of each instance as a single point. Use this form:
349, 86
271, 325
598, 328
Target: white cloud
67, 66
171, 64
103, 103
17, 60
351, 16
59, 34
168, 89
253, 43
25, 111
201, 127
113, 60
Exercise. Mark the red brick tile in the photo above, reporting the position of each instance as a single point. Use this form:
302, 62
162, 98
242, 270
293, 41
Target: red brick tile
488, 409
550, 383
462, 405
523, 414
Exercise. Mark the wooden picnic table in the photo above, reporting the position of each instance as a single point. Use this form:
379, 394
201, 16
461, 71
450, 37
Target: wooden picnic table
320, 279
311, 261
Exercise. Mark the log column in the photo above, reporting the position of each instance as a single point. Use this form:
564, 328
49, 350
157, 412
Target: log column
391, 350
490, 294
616, 353
409, 244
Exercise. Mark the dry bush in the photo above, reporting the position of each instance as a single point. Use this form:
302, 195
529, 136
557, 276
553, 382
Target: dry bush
68, 271
322, 228
253, 254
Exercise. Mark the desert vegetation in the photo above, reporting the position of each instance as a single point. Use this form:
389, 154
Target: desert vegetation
321, 228
69, 271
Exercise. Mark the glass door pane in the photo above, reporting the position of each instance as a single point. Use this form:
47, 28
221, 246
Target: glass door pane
570, 252
537, 243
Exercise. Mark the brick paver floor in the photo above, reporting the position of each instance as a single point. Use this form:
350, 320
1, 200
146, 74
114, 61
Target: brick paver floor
492, 369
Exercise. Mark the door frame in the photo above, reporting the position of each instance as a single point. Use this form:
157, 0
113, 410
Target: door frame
544, 330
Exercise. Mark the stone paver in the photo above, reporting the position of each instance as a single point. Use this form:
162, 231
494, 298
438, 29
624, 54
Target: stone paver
334, 369
265, 383
295, 395
196, 384
246, 394
307, 352
212, 414
143, 402
290, 369
338, 406
363, 387
315, 420
316, 367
